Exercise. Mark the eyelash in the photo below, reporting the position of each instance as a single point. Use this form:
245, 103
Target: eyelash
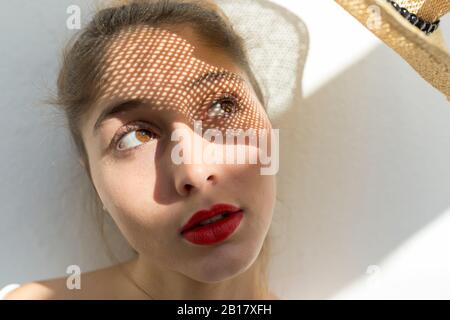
126, 129
230, 96
140, 125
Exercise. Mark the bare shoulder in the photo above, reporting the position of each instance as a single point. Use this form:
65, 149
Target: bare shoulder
96, 284
37, 290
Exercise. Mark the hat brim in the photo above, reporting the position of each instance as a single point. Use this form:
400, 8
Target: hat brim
427, 54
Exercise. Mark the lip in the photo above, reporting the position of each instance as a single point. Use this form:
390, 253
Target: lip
213, 232
201, 215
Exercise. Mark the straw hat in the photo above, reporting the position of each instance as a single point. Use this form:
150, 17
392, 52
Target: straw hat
284, 53
411, 28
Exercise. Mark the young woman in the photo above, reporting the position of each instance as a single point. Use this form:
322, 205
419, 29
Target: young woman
140, 71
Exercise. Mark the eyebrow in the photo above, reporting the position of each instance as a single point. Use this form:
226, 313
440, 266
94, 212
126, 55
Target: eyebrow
116, 108
128, 105
214, 75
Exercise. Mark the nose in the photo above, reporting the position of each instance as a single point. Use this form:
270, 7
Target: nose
191, 176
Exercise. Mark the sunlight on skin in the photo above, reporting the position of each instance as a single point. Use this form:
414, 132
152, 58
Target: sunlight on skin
141, 187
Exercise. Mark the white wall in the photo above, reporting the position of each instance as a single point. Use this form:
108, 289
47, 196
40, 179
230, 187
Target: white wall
365, 191
372, 179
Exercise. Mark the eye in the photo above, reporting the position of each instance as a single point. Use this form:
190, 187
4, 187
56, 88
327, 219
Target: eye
225, 106
132, 136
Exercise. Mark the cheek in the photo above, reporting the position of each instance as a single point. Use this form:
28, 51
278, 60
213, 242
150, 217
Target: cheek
254, 189
125, 187
127, 191
261, 196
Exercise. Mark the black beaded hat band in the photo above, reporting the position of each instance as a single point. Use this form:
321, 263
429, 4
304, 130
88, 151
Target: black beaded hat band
427, 27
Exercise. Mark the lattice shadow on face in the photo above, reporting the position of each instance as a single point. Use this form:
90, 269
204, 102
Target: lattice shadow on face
158, 67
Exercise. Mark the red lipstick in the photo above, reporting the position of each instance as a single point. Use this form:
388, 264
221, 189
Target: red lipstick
200, 230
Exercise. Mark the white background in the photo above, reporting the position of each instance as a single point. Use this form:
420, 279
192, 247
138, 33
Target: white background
365, 190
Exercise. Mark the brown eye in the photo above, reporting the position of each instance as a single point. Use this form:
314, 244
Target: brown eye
135, 138
223, 107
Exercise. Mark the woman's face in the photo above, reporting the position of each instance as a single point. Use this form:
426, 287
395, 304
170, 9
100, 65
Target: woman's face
150, 196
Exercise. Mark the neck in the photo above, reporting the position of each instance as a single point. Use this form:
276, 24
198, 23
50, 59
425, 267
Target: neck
161, 284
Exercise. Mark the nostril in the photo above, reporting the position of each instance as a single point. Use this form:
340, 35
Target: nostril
187, 187
212, 179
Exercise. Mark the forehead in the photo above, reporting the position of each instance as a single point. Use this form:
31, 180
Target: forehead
165, 71
141, 60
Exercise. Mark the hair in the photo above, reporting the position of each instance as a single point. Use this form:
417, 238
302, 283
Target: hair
76, 82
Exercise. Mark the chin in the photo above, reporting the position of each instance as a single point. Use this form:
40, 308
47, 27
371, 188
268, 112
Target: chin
223, 265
